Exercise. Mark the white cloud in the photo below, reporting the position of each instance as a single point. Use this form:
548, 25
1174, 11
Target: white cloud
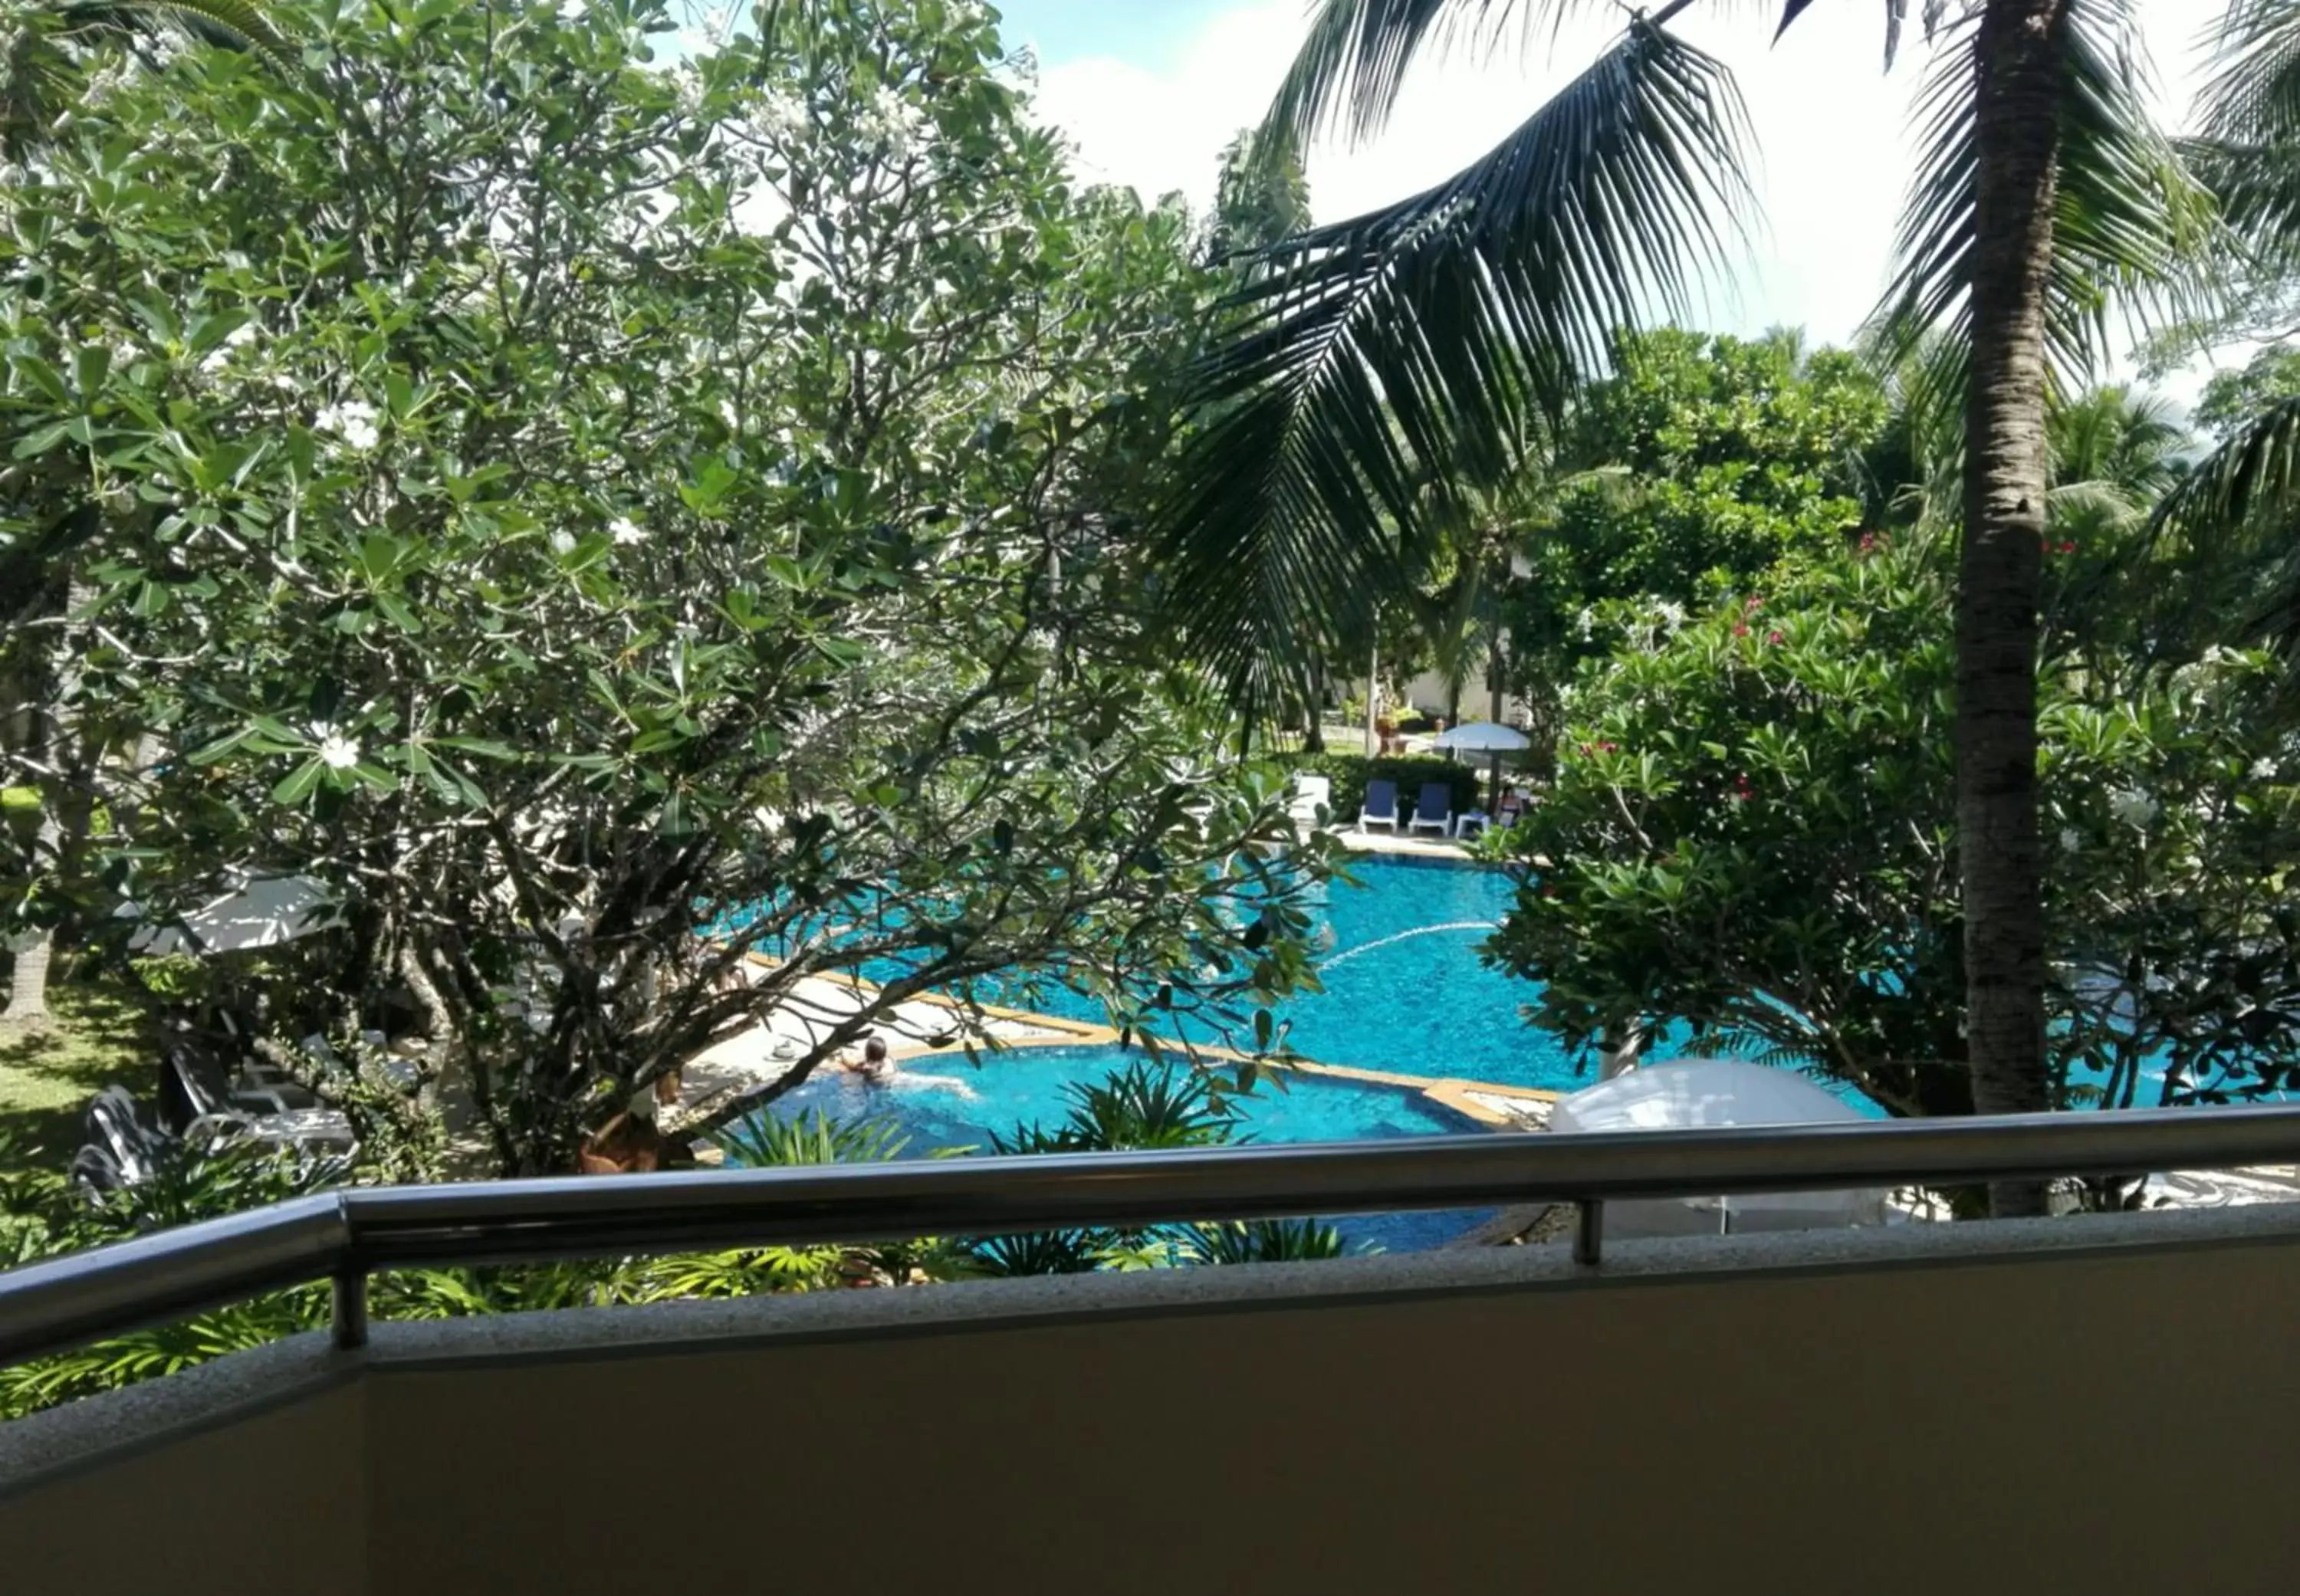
1832, 136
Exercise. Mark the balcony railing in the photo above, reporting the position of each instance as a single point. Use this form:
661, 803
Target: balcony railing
344, 1237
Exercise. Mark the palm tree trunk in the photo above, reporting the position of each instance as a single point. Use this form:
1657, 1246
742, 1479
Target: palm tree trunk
2019, 56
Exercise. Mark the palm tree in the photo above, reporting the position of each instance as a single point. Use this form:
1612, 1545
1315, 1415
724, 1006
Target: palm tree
1420, 343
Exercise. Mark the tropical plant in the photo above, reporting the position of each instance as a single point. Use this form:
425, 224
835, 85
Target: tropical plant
1705, 465
1752, 836
1263, 1240
1261, 195
1146, 1105
1411, 345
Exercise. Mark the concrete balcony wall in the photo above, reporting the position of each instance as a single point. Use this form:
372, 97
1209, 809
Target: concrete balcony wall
2087, 1404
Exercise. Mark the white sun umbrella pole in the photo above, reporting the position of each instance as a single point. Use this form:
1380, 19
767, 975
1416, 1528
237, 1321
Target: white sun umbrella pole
1485, 736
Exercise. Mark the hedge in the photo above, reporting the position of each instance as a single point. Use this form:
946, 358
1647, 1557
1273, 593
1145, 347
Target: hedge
1350, 772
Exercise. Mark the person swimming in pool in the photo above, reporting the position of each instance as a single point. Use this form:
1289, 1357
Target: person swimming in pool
878, 1071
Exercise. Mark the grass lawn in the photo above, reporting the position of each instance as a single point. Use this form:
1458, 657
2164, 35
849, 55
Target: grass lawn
47, 1076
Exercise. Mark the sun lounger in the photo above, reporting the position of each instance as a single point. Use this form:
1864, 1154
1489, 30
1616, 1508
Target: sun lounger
1435, 812
1381, 805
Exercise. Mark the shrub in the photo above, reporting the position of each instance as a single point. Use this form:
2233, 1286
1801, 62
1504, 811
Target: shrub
1350, 772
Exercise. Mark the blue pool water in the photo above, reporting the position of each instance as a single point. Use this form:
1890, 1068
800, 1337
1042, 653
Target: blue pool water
1404, 989
1025, 1087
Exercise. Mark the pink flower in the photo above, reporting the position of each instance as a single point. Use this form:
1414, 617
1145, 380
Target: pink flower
1755, 603
1773, 637
1740, 628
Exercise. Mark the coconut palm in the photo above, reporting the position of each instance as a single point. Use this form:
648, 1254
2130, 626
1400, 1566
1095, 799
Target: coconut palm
1418, 342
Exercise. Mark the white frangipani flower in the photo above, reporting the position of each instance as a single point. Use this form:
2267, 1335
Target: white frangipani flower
353, 420
2071, 839
2133, 807
339, 752
625, 531
780, 116
890, 120
2263, 769
563, 542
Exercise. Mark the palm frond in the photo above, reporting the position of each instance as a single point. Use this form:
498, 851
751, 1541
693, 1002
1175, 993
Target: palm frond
2254, 96
1414, 345
2130, 218
1349, 70
2233, 515
238, 24
2247, 150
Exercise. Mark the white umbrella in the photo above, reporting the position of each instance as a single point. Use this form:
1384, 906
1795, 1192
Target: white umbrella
1485, 736
1717, 1092
266, 911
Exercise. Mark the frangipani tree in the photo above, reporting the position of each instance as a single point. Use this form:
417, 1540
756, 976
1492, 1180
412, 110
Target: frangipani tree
610, 520
1751, 837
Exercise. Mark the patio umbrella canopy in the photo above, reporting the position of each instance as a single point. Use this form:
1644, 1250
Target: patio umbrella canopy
1485, 736
1717, 1092
266, 911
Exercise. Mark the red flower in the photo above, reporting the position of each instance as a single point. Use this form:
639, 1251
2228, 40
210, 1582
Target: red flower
1870, 541
1740, 628
2068, 548
1773, 637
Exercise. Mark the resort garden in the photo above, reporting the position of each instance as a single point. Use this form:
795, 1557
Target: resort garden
669, 549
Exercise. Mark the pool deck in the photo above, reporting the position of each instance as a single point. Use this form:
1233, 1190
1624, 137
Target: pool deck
1400, 845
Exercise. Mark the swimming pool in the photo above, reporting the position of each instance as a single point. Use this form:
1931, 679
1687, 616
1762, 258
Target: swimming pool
941, 1102
1405, 991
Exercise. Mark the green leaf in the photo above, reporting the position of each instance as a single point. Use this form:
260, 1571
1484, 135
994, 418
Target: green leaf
300, 783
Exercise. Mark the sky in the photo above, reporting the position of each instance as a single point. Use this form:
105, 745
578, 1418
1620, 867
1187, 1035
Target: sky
1151, 90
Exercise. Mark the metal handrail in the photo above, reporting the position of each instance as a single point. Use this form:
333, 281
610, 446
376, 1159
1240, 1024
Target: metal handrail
346, 1235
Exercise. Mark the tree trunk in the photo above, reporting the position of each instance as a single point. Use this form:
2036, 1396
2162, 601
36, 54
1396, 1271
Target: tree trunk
65, 811
1495, 683
1374, 699
27, 982
2019, 57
